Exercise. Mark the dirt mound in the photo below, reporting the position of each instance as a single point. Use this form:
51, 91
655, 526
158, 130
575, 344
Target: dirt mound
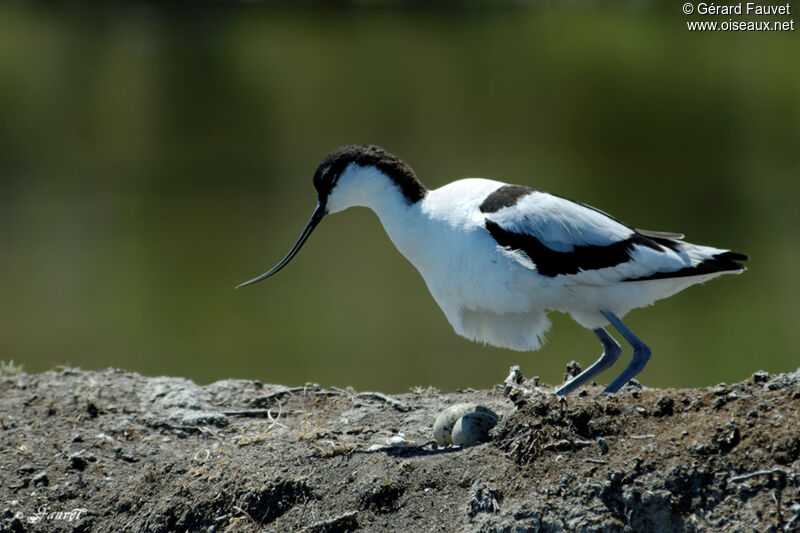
115, 451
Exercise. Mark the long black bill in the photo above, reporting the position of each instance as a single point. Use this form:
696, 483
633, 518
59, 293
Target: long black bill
319, 212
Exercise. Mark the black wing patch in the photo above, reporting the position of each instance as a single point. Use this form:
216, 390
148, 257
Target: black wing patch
552, 263
505, 196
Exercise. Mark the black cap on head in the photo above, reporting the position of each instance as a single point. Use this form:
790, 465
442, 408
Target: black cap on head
364, 155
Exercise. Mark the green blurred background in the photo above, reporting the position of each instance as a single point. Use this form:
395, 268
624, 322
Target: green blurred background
153, 157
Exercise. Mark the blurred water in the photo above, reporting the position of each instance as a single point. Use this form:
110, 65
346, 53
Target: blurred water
151, 158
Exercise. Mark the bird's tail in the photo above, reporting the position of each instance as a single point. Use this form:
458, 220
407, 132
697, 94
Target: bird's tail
700, 260
729, 261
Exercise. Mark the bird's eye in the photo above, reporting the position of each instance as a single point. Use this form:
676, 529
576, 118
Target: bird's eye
328, 176
323, 178
331, 176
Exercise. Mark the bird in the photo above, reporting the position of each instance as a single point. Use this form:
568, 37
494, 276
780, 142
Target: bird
497, 257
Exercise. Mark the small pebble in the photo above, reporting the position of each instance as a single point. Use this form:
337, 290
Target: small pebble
603, 445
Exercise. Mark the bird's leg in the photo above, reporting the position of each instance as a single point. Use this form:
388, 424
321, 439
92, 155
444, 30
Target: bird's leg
641, 353
611, 351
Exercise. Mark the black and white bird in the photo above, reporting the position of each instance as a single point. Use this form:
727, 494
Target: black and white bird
498, 257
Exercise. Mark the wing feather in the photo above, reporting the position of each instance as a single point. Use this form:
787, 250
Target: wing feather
562, 237
560, 224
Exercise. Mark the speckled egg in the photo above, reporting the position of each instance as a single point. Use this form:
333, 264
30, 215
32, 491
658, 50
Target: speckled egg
473, 428
446, 421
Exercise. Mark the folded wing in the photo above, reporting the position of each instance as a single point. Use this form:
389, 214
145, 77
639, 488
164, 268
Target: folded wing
565, 238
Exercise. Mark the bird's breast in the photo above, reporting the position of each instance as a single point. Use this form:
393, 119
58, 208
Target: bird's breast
463, 269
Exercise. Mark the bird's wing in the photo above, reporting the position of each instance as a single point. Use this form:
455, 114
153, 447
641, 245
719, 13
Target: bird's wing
562, 237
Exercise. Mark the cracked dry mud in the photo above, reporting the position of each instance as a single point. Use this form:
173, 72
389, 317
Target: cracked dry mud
116, 451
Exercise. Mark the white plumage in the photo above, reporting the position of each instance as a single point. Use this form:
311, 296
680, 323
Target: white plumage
498, 257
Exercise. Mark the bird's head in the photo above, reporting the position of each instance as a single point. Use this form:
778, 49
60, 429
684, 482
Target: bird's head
346, 178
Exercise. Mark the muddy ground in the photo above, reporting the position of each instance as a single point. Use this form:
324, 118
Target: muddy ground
116, 451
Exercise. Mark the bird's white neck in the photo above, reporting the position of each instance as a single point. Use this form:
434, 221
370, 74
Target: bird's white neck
370, 187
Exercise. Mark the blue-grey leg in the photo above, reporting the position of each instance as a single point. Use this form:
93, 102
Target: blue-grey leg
611, 351
641, 353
